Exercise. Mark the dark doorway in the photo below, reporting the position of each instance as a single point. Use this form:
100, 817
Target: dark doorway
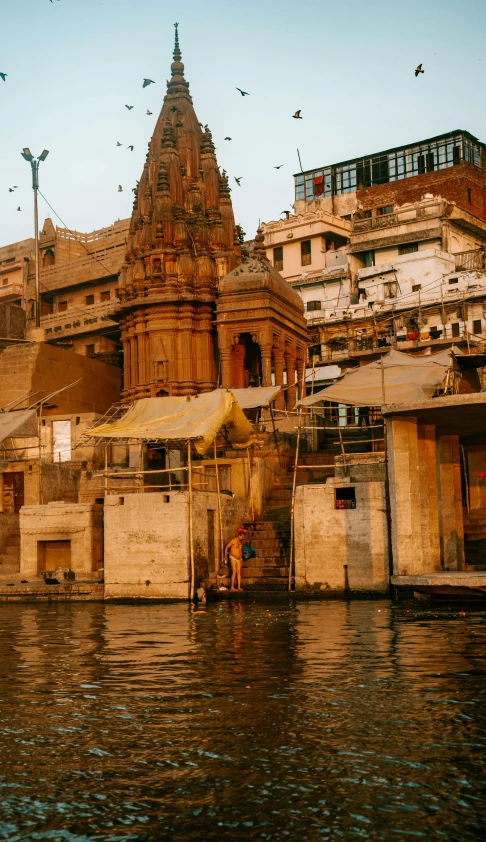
246, 363
13, 492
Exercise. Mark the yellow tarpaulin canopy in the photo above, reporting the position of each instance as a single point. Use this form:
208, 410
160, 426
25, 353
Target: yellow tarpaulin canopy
176, 420
255, 396
404, 378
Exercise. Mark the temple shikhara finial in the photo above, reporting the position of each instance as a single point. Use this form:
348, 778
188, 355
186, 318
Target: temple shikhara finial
182, 240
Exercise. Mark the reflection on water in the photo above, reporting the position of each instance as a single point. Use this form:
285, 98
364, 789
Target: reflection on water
309, 721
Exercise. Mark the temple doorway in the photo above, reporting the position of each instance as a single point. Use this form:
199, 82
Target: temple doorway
246, 362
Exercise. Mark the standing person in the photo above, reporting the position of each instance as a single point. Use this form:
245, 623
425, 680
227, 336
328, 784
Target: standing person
234, 547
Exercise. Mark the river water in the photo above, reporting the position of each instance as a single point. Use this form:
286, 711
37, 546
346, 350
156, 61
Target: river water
243, 720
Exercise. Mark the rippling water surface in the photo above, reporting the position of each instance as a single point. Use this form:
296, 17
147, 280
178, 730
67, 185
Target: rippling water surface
303, 720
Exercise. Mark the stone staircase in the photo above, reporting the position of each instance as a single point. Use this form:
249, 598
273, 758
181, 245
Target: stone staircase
270, 569
475, 538
10, 556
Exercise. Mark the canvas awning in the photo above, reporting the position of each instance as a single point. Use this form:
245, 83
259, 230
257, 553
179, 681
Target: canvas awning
406, 378
19, 424
177, 420
255, 396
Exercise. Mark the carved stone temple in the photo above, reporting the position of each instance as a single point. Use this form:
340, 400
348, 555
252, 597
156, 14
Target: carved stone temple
182, 254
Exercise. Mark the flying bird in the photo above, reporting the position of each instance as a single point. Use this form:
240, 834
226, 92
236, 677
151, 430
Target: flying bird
238, 180
419, 70
131, 148
129, 107
243, 93
227, 138
287, 213
147, 82
277, 168
297, 116
19, 208
118, 143
149, 112
4, 75
120, 188
11, 189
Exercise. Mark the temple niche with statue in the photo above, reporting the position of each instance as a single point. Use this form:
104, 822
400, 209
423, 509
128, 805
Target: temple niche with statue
194, 313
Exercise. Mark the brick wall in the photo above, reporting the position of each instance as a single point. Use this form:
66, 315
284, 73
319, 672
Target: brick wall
12, 324
451, 184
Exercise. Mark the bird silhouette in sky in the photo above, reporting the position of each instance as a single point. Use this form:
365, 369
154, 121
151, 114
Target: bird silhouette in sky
238, 180
297, 116
118, 143
120, 188
147, 82
149, 112
419, 70
11, 189
227, 138
4, 76
19, 208
287, 213
131, 148
277, 168
129, 107
243, 93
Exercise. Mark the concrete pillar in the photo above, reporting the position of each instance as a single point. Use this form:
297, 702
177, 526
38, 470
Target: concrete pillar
278, 364
404, 475
429, 504
450, 503
266, 352
291, 390
300, 363
225, 354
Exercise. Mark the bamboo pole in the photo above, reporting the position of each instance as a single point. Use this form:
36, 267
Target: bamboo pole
106, 469
192, 589
275, 435
292, 504
220, 514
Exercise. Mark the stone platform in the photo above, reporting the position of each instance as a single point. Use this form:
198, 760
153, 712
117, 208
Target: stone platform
38, 591
444, 583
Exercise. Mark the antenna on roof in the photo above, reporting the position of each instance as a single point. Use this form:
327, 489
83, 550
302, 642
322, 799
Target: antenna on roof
300, 162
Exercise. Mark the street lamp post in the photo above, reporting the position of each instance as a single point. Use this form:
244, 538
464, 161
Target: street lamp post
34, 163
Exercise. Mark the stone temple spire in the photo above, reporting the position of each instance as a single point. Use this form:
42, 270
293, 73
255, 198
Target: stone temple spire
182, 240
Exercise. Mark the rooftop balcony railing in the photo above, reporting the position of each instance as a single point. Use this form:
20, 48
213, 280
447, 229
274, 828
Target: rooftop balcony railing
78, 320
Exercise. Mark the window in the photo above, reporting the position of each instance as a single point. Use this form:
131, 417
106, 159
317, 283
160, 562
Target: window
89, 299
278, 258
367, 214
62, 306
346, 498
455, 329
384, 210
90, 349
369, 258
469, 195
409, 248
305, 253
477, 326
105, 295
61, 441
313, 305
416, 287
390, 289
5, 282
453, 281
347, 217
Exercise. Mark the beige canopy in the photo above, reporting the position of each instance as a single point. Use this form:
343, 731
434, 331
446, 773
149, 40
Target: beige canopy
20, 423
255, 396
404, 378
176, 420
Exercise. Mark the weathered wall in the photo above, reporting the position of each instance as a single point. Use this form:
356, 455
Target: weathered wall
79, 523
327, 539
361, 467
37, 366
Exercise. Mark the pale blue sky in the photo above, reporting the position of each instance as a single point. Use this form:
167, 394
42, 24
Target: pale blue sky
73, 64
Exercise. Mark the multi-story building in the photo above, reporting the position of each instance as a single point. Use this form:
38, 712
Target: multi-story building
390, 233
15, 260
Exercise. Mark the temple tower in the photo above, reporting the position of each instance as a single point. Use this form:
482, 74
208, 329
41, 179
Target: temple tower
182, 241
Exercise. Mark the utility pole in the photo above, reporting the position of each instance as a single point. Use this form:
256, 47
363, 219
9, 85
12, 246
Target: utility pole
34, 163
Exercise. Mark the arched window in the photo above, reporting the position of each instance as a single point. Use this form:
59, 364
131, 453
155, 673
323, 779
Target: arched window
48, 258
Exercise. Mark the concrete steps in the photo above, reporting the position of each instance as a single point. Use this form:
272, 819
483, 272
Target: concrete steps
269, 570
